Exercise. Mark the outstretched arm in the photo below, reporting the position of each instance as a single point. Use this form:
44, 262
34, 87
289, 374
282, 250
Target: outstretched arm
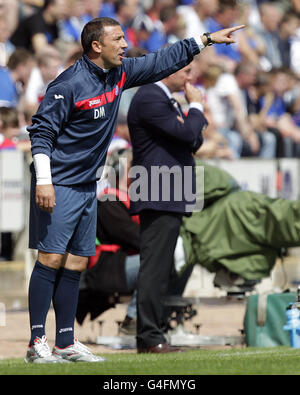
158, 65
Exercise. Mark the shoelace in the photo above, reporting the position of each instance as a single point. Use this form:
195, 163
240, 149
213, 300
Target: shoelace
41, 347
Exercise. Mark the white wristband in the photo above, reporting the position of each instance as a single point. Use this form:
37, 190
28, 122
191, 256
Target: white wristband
199, 42
42, 169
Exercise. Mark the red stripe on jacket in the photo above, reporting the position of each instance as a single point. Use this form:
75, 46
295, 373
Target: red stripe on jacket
102, 99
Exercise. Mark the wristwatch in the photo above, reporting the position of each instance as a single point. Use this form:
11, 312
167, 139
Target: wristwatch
209, 40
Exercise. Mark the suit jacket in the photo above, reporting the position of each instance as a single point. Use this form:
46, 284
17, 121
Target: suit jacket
162, 176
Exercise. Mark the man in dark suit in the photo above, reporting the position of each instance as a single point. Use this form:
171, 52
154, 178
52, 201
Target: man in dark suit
163, 141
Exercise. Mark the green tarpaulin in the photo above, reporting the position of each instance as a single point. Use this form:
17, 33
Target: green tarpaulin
242, 231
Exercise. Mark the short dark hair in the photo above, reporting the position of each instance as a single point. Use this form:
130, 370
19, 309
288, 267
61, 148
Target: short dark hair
225, 4
119, 4
9, 117
167, 13
93, 31
19, 56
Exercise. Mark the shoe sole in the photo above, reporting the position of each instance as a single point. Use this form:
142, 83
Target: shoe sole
41, 361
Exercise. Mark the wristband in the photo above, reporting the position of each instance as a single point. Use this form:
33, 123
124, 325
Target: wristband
42, 169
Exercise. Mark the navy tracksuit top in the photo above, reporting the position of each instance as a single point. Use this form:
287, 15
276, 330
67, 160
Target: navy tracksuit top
77, 118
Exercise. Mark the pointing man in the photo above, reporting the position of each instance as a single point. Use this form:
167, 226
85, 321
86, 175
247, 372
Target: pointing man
69, 145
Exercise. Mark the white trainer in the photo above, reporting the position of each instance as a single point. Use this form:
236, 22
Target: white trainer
40, 352
76, 352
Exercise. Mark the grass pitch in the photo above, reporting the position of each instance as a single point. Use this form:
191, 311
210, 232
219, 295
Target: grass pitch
246, 361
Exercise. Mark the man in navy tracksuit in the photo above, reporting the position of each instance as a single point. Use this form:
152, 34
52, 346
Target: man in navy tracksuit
70, 135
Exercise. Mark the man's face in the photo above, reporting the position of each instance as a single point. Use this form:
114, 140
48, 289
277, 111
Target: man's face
113, 45
178, 80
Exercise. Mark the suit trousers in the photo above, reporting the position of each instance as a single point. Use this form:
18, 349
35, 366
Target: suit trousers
159, 231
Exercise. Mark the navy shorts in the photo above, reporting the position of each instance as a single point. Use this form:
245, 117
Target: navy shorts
71, 227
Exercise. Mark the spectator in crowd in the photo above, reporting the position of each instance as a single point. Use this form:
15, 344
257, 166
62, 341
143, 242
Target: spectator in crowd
274, 109
143, 27
287, 30
290, 120
107, 8
79, 13
14, 77
9, 10
204, 75
152, 36
9, 127
219, 142
48, 66
245, 76
251, 45
41, 28
125, 12
92, 8
71, 26
228, 101
9, 130
157, 6
216, 99
225, 17
99, 8
28, 7
295, 113
257, 113
195, 16
170, 20
295, 52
